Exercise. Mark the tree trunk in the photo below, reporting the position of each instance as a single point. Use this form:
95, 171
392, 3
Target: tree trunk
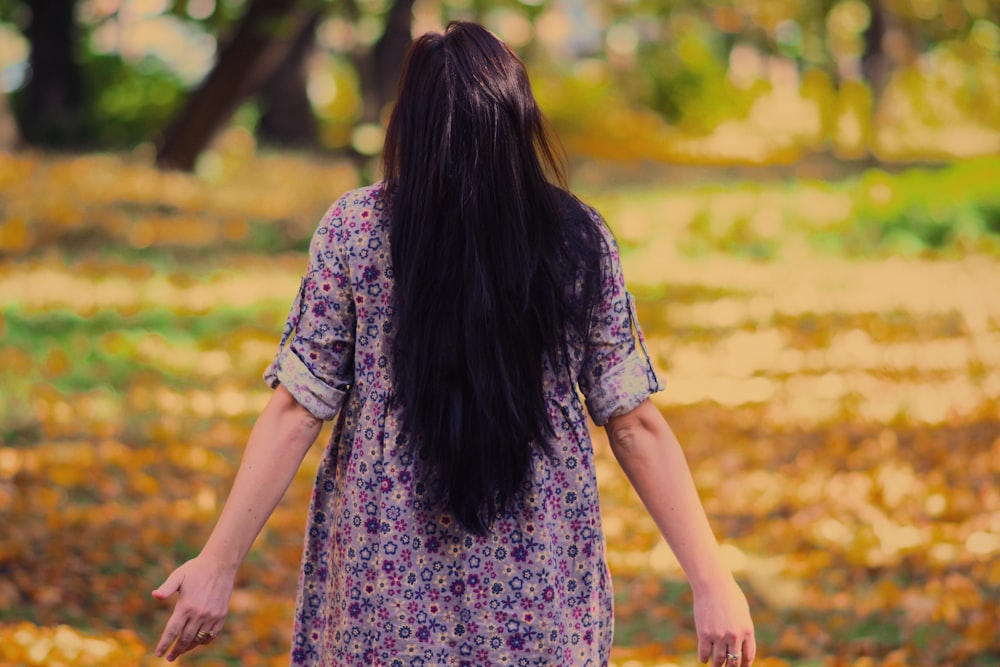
391, 49
8, 125
379, 69
52, 112
287, 118
262, 42
874, 66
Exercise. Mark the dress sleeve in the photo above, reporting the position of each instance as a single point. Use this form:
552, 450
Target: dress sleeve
616, 375
315, 360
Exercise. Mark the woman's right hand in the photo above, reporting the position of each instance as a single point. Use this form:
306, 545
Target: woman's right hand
204, 587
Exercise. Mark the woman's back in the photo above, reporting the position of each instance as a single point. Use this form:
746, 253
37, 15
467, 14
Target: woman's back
389, 576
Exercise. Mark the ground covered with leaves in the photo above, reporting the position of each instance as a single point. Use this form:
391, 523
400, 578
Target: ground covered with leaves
832, 363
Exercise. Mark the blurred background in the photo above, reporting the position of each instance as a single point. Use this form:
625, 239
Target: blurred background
807, 195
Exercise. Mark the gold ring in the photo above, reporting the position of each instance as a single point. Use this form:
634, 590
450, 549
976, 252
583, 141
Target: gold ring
203, 636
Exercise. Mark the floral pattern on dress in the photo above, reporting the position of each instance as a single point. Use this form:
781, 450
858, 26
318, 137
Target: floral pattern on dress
388, 578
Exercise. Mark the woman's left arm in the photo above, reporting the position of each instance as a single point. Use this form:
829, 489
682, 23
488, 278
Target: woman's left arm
280, 438
654, 463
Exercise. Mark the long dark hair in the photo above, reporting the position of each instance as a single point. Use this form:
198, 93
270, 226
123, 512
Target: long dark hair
494, 267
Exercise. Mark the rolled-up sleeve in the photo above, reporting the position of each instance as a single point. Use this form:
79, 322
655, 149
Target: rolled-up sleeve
616, 375
315, 359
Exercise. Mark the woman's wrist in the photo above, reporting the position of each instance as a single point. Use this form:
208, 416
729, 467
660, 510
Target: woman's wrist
703, 585
223, 562
708, 574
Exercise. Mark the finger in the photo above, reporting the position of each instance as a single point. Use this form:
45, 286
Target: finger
170, 633
719, 651
734, 650
170, 586
741, 649
190, 637
704, 648
216, 628
206, 634
734, 653
749, 650
185, 640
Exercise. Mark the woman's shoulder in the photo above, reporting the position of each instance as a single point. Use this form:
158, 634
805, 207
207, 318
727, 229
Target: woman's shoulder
364, 202
581, 213
575, 208
360, 211
368, 196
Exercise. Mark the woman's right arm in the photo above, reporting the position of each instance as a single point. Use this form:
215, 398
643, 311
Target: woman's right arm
278, 442
654, 463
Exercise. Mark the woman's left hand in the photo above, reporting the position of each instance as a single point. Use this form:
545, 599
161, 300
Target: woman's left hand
204, 588
725, 630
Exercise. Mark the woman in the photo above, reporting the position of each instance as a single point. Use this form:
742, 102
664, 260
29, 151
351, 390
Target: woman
448, 316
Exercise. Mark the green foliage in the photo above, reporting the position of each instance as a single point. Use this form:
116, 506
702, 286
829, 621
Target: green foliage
104, 345
129, 102
570, 102
920, 211
989, 212
731, 236
938, 212
125, 103
685, 78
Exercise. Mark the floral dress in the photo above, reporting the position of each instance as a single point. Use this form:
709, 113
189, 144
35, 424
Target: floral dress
387, 577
